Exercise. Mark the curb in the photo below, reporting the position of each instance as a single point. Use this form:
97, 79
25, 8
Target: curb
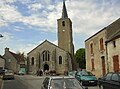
1, 82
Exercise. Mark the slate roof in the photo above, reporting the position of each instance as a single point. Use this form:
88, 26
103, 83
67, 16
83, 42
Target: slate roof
112, 30
17, 57
64, 11
114, 36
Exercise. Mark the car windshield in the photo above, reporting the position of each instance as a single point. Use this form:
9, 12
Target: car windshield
9, 71
65, 83
85, 73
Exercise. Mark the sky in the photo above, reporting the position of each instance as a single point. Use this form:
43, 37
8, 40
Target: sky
27, 23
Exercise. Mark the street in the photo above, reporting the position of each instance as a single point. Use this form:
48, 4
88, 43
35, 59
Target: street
27, 82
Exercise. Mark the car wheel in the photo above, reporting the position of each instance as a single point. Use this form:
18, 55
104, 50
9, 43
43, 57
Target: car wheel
82, 83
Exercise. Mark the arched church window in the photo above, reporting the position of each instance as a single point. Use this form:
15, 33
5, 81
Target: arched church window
32, 61
46, 55
43, 55
60, 59
63, 23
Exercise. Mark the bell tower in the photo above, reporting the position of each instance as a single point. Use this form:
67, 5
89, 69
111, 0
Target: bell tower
65, 39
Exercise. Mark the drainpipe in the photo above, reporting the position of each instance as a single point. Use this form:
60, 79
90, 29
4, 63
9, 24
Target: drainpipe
107, 56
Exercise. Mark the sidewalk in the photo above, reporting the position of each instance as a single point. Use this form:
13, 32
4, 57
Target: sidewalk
1, 81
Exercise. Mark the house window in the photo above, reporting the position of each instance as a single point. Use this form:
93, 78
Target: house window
63, 23
9, 60
101, 44
60, 59
32, 61
116, 63
46, 55
92, 62
91, 48
114, 43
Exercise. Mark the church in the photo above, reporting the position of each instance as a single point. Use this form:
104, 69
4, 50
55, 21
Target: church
48, 56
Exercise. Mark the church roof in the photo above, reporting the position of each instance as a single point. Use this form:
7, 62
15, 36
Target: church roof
43, 43
64, 11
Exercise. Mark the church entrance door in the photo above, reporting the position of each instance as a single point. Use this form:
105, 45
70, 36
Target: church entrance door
46, 67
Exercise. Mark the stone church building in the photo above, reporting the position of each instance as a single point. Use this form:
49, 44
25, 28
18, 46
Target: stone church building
48, 56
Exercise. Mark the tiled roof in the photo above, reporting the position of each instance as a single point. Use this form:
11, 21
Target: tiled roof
17, 57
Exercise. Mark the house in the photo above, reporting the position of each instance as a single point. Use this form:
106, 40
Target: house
2, 63
13, 61
113, 46
48, 56
99, 53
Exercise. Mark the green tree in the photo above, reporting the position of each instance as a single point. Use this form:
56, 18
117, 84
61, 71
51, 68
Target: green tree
80, 58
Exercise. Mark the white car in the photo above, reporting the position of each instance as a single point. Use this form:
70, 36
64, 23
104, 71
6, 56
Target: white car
9, 74
61, 82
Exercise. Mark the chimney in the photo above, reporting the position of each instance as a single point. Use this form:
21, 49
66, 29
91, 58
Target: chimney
6, 49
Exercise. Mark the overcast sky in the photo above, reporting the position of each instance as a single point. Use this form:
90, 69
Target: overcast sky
27, 23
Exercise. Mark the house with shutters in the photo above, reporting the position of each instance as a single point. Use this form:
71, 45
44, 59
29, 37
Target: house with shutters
103, 51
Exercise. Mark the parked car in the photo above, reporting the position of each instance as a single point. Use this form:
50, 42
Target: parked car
8, 74
72, 73
61, 82
21, 73
86, 78
110, 81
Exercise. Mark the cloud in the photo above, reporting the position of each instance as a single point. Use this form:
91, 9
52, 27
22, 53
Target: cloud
87, 16
35, 6
7, 37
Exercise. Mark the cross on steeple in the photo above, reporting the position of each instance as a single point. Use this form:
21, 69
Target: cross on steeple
64, 11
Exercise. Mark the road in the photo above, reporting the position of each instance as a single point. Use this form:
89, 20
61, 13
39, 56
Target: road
27, 82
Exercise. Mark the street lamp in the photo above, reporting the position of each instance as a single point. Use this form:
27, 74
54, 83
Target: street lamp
1, 35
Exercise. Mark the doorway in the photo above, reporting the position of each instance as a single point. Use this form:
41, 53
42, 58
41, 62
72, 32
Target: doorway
103, 65
46, 67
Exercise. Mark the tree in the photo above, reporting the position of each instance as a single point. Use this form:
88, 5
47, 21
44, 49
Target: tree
80, 58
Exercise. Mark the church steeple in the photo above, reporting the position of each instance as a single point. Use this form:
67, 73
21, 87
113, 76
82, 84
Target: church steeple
64, 11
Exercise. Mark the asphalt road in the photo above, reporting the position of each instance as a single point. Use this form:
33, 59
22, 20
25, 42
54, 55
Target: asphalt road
14, 84
27, 82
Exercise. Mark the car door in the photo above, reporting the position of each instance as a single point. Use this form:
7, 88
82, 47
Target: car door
78, 76
45, 83
115, 82
106, 81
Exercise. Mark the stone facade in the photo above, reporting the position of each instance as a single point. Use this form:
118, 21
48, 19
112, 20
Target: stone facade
2, 62
13, 61
113, 51
100, 61
94, 59
51, 62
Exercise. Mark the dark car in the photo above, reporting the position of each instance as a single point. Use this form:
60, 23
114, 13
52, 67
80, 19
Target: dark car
61, 82
86, 78
110, 81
